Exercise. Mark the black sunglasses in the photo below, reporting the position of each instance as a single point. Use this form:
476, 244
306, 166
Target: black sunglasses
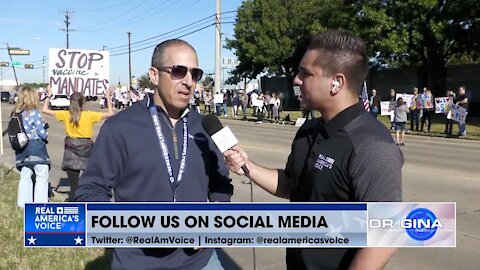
178, 72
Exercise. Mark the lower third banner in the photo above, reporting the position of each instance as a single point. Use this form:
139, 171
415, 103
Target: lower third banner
239, 224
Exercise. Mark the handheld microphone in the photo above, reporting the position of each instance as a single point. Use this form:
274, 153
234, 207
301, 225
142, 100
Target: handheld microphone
222, 136
224, 139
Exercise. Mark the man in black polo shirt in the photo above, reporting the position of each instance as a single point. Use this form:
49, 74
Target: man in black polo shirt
344, 156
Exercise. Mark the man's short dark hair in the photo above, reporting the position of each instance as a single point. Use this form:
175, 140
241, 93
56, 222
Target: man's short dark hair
158, 57
342, 52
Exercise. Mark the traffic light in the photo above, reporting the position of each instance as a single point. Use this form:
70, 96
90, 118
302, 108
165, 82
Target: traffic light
4, 64
29, 66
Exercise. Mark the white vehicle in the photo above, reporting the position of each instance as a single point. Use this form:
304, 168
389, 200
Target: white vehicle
59, 102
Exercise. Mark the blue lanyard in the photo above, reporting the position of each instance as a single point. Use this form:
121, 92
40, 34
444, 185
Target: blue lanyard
163, 147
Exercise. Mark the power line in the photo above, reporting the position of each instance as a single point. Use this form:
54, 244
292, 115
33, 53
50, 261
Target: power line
126, 12
144, 15
150, 46
153, 43
38, 61
163, 37
6, 70
168, 32
163, 34
104, 8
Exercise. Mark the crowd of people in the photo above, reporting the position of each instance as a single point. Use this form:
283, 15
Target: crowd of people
265, 105
420, 118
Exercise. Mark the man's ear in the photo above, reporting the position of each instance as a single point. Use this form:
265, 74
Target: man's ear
153, 74
337, 84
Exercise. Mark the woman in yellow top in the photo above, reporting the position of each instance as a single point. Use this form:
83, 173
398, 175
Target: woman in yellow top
79, 132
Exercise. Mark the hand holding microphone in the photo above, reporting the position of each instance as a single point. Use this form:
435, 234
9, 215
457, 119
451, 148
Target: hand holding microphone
223, 137
236, 159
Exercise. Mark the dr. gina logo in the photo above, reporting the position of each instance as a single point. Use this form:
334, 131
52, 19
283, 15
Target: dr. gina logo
420, 224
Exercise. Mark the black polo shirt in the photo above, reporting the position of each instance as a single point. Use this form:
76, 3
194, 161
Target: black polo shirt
352, 158
462, 98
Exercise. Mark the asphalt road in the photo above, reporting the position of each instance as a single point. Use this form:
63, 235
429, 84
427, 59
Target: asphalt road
435, 170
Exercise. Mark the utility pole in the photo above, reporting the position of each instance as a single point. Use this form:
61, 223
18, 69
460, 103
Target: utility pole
129, 63
218, 41
43, 66
13, 66
67, 24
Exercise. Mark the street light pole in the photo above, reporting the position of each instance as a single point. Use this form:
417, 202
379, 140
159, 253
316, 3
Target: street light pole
13, 66
218, 48
43, 66
129, 63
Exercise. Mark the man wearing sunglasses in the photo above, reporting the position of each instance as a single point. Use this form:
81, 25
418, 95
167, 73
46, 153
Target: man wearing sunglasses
158, 151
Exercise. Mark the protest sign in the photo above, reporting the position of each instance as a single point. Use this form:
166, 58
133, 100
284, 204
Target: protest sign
442, 105
257, 103
424, 102
407, 98
387, 107
296, 91
75, 70
458, 113
218, 98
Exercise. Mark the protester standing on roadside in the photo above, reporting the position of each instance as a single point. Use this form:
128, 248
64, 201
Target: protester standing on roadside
427, 112
33, 158
393, 100
400, 119
414, 112
78, 126
462, 101
207, 100
244, 101
448, 116
375, 103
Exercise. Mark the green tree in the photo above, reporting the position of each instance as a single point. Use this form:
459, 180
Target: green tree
144, 82
207, 83
424, 33
271, 35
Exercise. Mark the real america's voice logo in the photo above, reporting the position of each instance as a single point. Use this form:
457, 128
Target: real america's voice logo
54, 224
420, 224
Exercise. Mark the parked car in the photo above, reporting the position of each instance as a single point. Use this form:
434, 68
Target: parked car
59, 102
5, 96
91, 98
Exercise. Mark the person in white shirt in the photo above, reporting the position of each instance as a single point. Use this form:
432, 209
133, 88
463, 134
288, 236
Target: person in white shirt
254, 96
275, 108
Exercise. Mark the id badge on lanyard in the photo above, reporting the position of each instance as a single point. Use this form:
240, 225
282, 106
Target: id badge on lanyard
164, 149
